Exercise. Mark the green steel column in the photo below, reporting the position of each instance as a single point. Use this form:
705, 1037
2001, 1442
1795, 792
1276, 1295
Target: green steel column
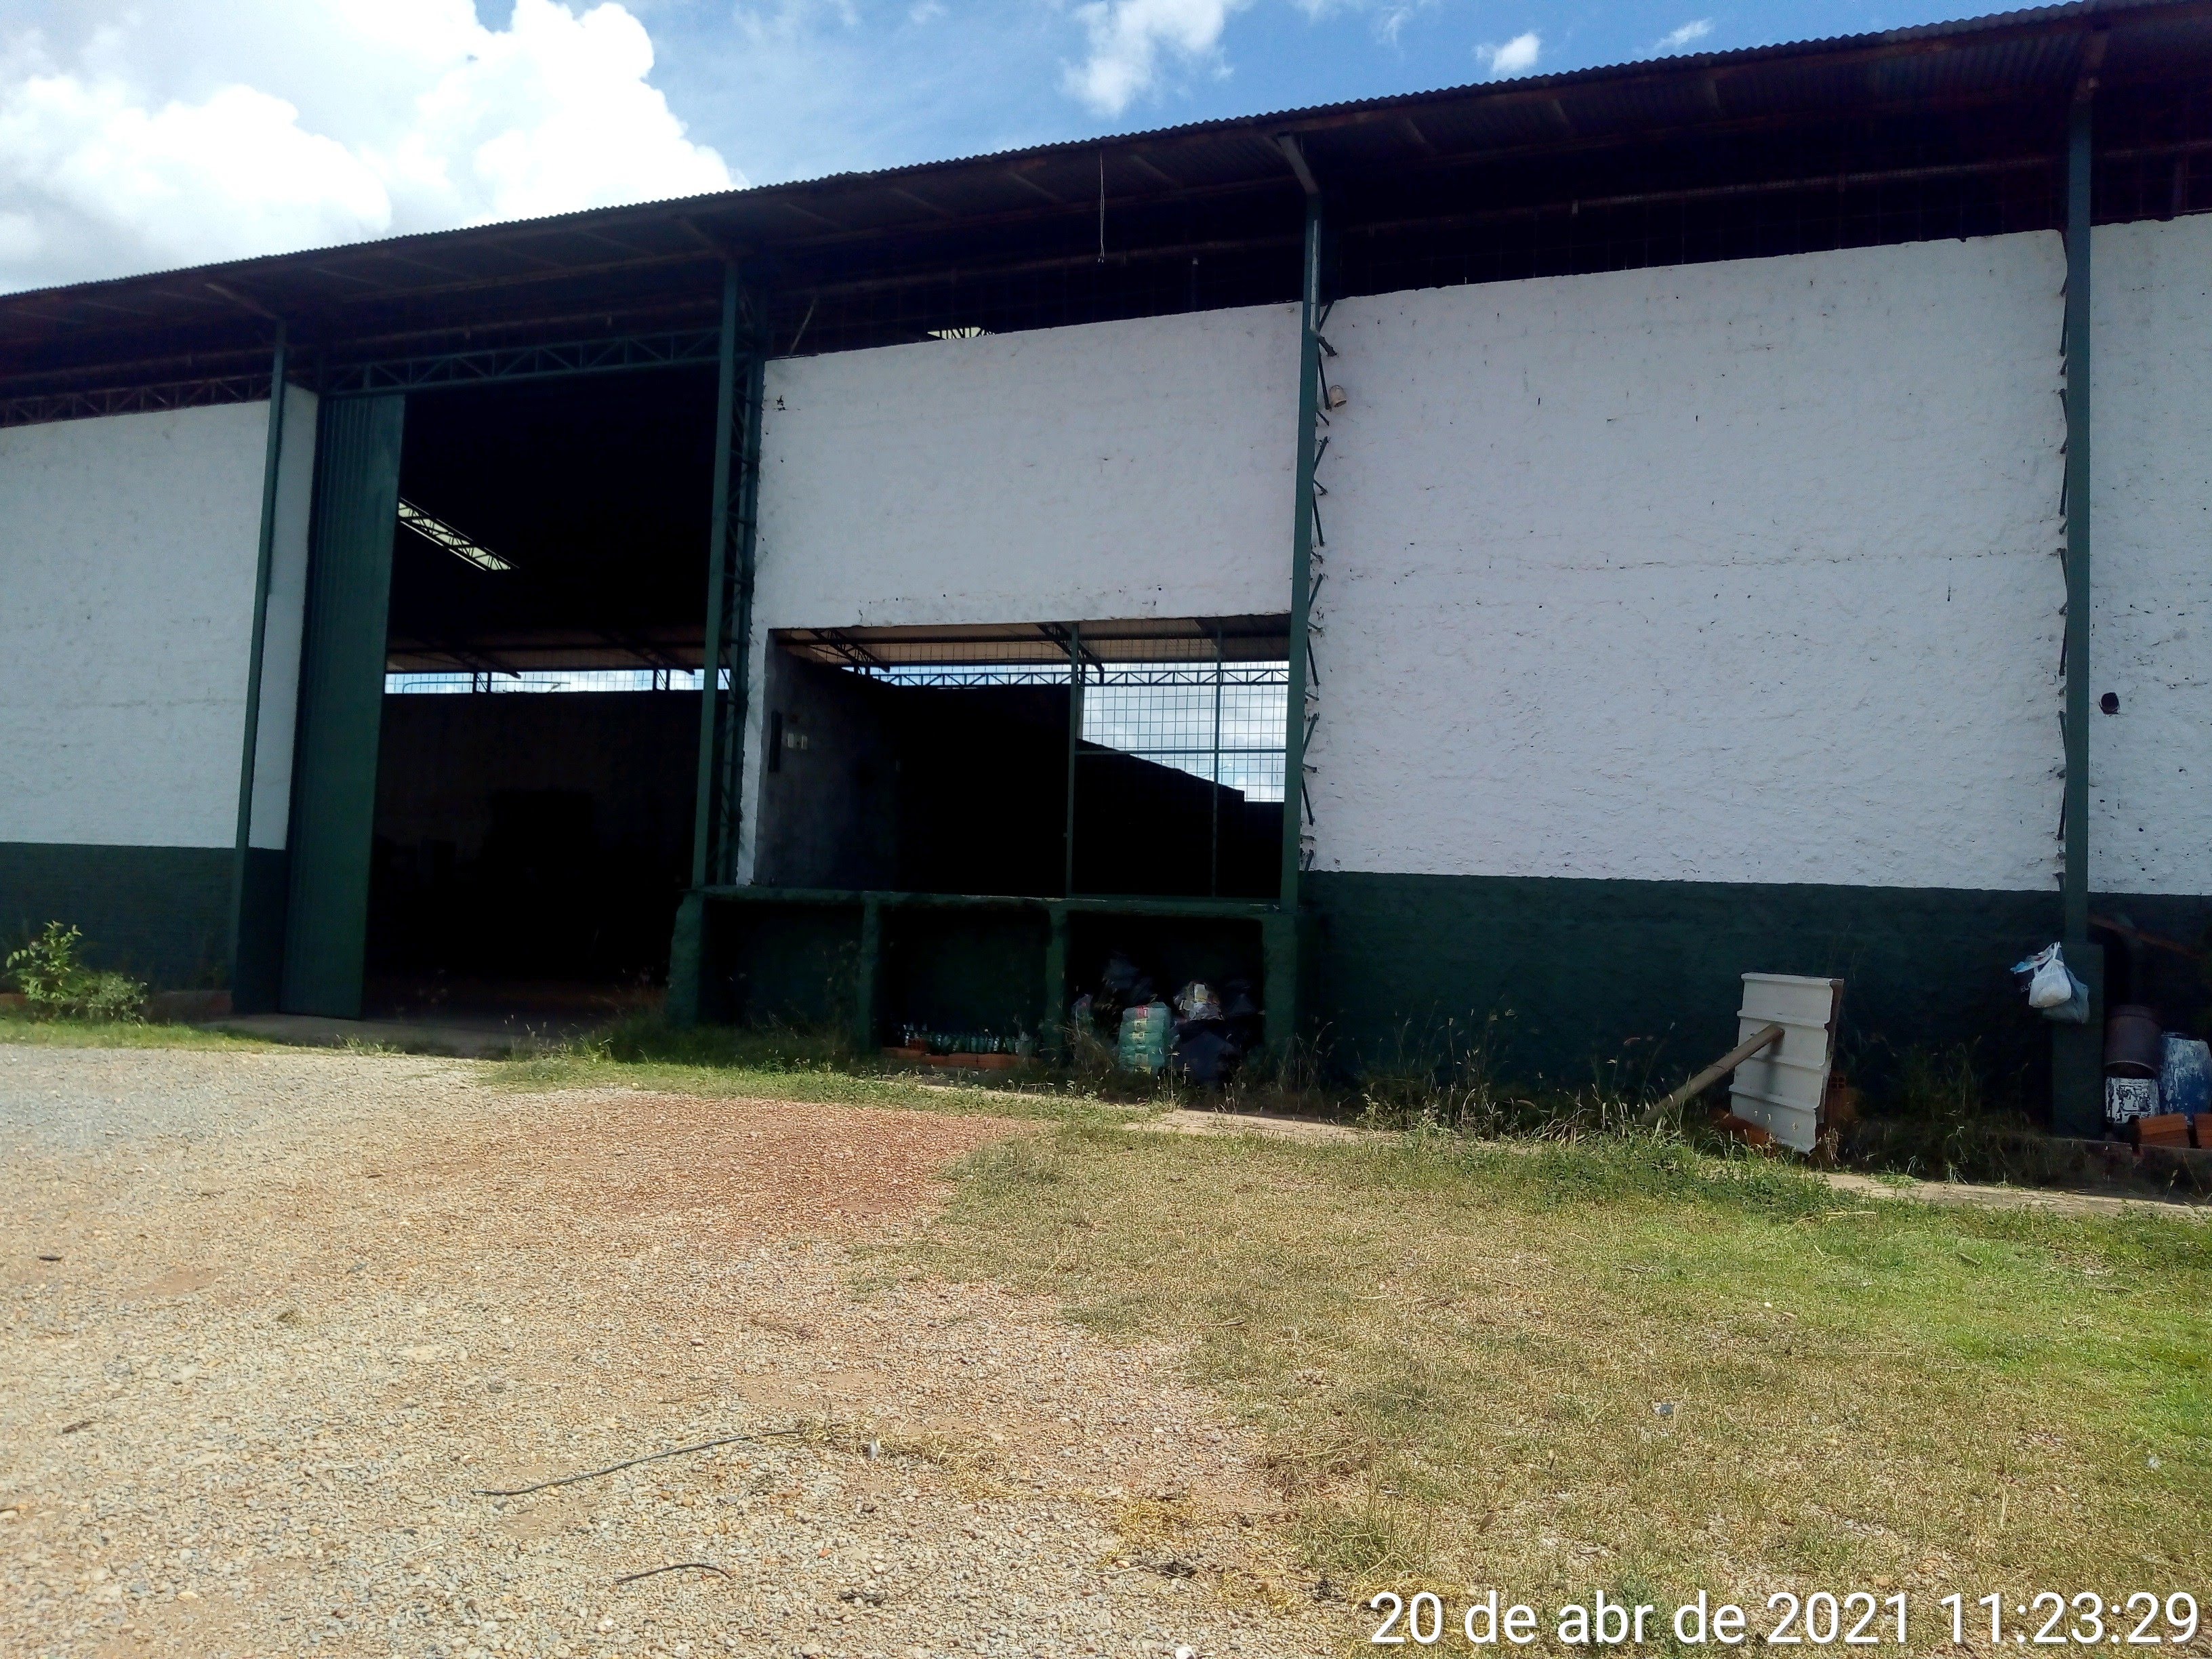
687, 962
1053, 1039
330, 837
703, 825
272, 457
1075, 744
2077, 1051
1213, 822
738, 645
1282, 943
868, 978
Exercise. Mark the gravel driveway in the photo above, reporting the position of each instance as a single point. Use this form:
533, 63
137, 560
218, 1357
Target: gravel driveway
274, 1321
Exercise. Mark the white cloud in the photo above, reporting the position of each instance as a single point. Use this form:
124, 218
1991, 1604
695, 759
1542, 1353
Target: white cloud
1675, 40
1130, 38
1516, 57
204, 130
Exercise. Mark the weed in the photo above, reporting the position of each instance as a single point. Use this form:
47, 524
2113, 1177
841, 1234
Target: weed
57, 985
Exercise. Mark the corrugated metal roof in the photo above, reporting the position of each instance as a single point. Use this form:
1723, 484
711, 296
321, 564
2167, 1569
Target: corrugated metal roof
667, 244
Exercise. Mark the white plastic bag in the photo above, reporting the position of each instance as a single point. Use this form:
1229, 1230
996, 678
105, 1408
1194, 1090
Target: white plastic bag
2053, 985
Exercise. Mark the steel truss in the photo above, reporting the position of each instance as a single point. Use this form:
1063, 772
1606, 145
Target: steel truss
613, 354
36, 407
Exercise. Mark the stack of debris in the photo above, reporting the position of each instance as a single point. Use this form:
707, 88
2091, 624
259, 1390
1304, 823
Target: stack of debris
1204, 1034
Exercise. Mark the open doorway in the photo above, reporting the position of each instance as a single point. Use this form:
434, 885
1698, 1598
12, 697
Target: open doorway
1100, 758
537, 758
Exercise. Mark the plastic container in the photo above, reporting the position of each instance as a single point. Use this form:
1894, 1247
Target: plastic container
1145, 1031
2127, 1099
2131, 1042
2184, 1080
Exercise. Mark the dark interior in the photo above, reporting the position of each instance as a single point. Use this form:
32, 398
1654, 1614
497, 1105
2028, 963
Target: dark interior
963, 789
542, 838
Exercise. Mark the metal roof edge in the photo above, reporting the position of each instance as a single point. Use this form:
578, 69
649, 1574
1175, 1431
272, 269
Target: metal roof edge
1311, 117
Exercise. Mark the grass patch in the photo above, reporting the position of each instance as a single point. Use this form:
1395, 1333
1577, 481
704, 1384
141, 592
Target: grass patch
780, 1063
1625, 1363
66, 1033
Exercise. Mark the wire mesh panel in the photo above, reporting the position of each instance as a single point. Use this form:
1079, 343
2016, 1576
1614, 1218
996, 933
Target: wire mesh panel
1222, 722
1169, 734
546, 679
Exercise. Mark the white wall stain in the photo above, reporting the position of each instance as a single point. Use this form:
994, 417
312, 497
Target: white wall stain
2150, 765
1733, 571
127, 553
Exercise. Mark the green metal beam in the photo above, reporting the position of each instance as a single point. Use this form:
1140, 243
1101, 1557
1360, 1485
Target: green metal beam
256, 649
703, 826
2079, 165
868, 987
2077, 1085
500, 365
1074, 748
1283, 970
1054, 1039
737, 642
741, 368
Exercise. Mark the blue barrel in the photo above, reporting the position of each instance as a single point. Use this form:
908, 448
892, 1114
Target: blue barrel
2185, 1081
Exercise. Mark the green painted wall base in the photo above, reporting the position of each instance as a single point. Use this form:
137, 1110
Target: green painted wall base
161, 914
260, 976
1606, 978
1567, 981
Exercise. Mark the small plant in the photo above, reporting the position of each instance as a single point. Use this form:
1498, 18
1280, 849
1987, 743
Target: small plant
56, 984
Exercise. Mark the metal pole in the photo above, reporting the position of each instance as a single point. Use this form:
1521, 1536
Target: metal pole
739, 647
1280, 934
1074, 743
2077, 1051
1213, 869
703, 824
1294, 730
2078, 597
272, 457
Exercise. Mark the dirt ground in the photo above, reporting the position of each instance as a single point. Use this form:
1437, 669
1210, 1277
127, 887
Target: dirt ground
276, 1322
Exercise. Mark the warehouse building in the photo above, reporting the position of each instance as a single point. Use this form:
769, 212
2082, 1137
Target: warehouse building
1519, 555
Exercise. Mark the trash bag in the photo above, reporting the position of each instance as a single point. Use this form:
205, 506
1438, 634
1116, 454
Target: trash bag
2075, 1010
1123, 985
2054, 990
1145, 1031
1240, 1015
2049, 984
1196, 1000
1203, 1052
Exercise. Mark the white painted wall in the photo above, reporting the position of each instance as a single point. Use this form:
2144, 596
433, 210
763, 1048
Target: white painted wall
1110, 470
127, 554
2150, 766
1738, 572
1115, 469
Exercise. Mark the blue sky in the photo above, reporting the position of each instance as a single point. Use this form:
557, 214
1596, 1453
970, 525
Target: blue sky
137, 137
792, 88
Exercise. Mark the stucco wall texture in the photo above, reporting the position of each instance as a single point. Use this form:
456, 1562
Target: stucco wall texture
1093, 473
128, 561
2150, 765
1740, 572
1114, 470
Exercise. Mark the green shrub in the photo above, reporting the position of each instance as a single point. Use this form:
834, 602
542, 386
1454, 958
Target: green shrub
56, 984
